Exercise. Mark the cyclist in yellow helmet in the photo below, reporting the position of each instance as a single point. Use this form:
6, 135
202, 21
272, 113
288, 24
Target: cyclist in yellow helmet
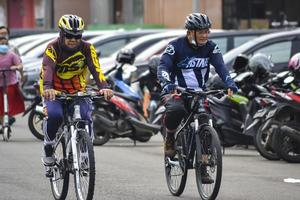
65, 66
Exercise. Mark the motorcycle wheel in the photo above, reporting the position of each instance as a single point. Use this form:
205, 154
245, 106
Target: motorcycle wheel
100, 137
35, 123
287, 148
263, 143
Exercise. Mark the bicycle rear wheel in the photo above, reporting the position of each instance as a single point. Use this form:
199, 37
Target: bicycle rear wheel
209, 162
85, 177
176, 169
60, 180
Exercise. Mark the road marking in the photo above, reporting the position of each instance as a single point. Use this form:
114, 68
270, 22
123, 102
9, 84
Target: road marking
291, 180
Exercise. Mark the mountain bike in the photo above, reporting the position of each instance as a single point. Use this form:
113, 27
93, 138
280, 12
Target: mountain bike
73, 152
197, 147
6, 130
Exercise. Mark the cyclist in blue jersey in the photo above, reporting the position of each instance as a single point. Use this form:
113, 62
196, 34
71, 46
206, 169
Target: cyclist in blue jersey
186, 63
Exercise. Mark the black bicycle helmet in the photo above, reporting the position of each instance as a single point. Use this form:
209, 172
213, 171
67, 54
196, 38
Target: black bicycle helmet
260, 64
126, 56
240, 63
196, 21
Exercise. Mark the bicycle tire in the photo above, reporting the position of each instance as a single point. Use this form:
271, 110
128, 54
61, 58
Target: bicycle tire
6, 133
86, 167
214, 159
176, 189
60, 173
263, 143
33, 124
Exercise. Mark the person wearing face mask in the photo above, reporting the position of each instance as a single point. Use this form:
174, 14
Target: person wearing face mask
186, 63
4, 32
8, 59
65, 65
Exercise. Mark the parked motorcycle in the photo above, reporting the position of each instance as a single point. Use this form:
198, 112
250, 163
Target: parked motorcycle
35, 118
283, 120
122, 116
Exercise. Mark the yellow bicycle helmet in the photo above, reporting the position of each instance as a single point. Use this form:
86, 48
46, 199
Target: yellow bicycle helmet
71, 24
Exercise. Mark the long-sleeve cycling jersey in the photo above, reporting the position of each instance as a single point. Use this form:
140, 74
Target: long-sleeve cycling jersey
189, 67
66, 71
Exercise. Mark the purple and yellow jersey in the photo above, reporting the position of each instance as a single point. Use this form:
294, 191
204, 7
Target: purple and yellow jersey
66, 71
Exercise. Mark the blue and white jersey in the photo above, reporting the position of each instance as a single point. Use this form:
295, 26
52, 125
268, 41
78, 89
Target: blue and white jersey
189, 67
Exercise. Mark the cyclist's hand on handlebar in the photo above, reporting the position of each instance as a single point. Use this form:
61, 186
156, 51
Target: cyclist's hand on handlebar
49, 94
107, 93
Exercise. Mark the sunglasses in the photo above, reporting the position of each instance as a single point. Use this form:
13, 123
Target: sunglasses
70, 36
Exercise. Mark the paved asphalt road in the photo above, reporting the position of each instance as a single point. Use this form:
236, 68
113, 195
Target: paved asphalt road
130, 172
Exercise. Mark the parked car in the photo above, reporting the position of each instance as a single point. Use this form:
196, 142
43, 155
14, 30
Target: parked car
107, 44
280, 46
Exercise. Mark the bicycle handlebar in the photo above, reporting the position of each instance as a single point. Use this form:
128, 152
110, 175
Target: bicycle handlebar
199, 92
91, 94
7, 70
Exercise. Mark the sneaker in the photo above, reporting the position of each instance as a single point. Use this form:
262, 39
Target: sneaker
169, 147
48, 158
205, 177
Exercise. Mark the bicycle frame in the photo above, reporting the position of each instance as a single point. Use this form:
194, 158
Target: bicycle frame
77, 151
70, 130
190, 141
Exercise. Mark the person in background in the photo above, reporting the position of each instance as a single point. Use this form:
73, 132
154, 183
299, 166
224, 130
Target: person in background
4, 32
8, 59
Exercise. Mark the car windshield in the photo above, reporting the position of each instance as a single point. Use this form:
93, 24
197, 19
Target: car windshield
232, 54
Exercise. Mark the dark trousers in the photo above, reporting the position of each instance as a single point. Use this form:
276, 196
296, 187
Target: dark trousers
175, 111
55, 117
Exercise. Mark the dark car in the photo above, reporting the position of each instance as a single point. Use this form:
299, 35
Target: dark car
280, 46
231, 39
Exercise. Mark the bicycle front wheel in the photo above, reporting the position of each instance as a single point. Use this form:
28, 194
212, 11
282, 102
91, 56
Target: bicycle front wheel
176, 169
85, 177
60, 180
208, 165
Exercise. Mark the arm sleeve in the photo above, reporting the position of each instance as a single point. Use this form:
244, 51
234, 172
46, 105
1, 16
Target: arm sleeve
218, 62
16, 59
94, 67
48, 68
166, 64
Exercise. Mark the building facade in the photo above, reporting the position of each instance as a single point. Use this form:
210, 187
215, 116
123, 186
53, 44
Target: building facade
225, 14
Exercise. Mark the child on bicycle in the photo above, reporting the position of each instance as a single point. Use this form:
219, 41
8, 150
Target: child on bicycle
186, 63
10, 60
66, 62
